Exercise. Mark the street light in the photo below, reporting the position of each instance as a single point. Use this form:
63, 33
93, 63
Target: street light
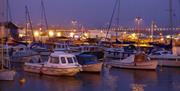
138, 21
51, 33
59, 34
71, 34
36, 34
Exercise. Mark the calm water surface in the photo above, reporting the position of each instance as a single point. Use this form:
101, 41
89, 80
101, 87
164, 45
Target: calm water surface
114, 79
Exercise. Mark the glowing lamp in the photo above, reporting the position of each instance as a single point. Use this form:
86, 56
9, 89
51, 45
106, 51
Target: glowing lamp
36, 33
51, 33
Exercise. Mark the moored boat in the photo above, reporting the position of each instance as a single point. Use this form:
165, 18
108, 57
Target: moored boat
6, 74
137, 61
89, 63
59, 64
118, 53
165, 59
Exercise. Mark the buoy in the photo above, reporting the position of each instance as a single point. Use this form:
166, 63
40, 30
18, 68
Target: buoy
22, 81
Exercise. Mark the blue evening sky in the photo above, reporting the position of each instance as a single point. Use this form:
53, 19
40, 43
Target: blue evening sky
95, 13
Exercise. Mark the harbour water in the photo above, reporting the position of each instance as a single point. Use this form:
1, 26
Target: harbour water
114, 79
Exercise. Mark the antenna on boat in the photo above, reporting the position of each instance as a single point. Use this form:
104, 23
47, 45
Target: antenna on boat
28, 22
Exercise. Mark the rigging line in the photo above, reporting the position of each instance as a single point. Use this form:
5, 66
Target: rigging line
44, 13
179, 10
170, 15
118, 15
41, 19
29, 19
8, 10
114, 9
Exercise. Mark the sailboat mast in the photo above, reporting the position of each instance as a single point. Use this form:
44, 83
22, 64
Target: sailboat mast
29, 21
2, 47
8, 11
2, 20
170, 15
110, 23
118, 14
44, 14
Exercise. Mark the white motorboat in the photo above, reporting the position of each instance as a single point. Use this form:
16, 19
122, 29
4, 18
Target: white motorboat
165, 58
59, 63
137, 61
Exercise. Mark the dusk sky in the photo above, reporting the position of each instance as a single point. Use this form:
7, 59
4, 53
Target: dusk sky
95, 13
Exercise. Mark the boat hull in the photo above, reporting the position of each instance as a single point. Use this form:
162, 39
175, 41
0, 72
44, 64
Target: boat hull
171, 61
92, 67
150, 65
7, 74
168, 63
61, 71
34, 68
39, 68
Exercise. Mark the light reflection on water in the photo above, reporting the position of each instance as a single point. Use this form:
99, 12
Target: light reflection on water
108, 80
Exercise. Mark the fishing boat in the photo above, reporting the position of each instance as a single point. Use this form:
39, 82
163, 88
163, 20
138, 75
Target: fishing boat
89, 63
58, 64
137, 61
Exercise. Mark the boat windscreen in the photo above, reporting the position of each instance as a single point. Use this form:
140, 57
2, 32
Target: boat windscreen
54, 60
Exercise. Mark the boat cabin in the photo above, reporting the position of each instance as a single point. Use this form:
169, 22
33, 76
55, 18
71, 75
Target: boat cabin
90, 48
141, 57
63, 59
61, 47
